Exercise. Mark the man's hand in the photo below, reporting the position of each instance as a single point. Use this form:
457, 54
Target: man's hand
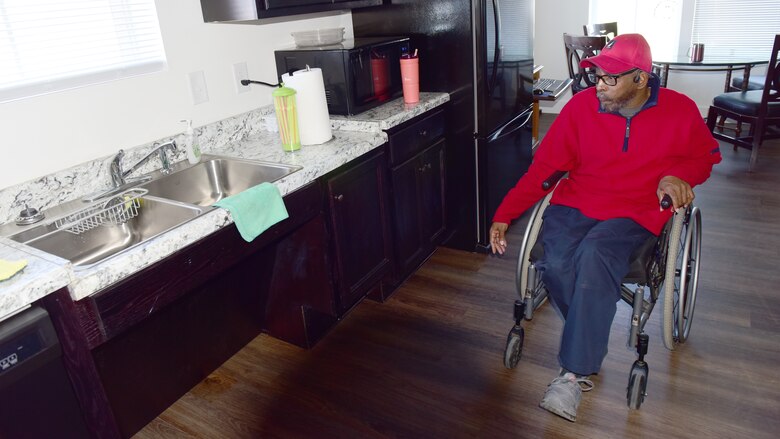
498, 237
678, 189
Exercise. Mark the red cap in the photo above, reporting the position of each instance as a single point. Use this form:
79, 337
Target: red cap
623, 53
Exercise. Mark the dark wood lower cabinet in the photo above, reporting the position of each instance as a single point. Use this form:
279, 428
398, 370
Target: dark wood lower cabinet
147, 369
417, 194
357, 197
141, 344
301, 304
80, 365
432, 195
418, 208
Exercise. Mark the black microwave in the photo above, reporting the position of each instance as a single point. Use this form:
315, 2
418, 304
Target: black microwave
359, 74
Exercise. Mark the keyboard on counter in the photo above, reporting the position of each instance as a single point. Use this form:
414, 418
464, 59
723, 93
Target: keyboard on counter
550, 87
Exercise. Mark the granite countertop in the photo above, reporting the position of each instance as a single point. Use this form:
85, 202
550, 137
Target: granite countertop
43, 274
352, 137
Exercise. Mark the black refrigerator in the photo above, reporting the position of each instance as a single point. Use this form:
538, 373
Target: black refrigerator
481, 52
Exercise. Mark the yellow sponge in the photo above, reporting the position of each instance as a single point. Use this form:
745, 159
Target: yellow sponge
10, 268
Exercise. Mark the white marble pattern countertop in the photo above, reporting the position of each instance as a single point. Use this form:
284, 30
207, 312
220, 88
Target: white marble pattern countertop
43, 274
353, 137
388, 115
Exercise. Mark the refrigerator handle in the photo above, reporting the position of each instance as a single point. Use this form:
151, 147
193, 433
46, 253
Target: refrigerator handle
497, 45
512, 126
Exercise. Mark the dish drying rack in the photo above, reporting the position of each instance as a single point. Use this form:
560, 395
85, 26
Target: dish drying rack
116, 210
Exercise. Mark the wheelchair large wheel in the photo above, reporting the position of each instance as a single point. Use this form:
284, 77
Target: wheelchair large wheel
681, 276
532, 293
514, 347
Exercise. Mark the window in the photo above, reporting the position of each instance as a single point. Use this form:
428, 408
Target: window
747, 27
725, 27
657, 20
53, 45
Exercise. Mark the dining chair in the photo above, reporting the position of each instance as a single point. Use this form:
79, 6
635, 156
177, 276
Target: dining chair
755, 82
608, 30
759, 108
578, 48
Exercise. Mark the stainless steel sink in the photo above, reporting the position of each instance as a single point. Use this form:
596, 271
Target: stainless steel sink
153, 217
215, 178
86, 231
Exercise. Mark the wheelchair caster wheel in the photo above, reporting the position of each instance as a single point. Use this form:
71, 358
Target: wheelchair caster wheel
637, 385
514, 347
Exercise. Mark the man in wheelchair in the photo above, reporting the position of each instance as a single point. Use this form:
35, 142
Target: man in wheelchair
624, 143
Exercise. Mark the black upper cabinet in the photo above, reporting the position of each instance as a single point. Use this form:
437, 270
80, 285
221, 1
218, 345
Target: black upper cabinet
241, 10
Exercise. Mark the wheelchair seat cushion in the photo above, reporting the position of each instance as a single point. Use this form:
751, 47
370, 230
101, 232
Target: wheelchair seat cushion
640, 259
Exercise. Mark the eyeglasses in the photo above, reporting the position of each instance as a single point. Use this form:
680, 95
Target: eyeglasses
610, 80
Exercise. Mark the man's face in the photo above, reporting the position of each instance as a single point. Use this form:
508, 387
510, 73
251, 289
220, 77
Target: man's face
615, 97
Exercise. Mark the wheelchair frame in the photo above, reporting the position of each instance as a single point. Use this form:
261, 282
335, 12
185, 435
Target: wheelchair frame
672, 270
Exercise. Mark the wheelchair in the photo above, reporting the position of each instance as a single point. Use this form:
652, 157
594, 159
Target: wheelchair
667, 264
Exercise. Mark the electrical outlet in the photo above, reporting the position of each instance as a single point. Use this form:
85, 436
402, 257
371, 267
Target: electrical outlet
239, 73
198, 89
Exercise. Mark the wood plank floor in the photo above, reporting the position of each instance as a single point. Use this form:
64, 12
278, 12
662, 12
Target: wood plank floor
428, 362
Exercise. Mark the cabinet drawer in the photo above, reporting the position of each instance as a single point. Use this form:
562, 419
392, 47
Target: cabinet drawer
409, 140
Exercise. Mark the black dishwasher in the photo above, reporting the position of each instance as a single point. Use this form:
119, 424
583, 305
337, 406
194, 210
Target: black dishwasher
37, 398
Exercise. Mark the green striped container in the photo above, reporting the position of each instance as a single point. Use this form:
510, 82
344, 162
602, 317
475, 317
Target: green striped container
287, 118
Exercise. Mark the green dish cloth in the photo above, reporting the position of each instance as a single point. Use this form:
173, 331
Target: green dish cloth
255, 209
10, 268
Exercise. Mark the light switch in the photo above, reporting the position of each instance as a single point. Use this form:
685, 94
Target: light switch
198, 89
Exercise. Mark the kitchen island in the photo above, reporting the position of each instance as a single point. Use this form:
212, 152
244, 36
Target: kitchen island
124, 340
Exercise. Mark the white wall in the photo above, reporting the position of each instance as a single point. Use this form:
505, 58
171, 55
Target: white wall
554, 17
48, 133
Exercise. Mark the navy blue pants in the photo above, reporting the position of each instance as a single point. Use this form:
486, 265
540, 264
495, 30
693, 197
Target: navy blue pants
584, 263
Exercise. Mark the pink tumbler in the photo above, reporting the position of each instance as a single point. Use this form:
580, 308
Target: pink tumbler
410, 79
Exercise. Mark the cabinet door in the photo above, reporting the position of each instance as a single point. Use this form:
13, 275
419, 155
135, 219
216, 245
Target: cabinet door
432, 194
407, 240
418, 208
357, 199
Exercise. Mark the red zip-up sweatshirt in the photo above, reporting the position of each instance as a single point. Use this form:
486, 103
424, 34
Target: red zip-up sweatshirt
615, 163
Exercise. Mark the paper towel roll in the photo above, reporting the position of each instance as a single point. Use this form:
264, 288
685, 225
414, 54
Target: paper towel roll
313, 117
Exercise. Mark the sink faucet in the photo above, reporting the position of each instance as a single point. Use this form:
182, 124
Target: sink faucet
118, 175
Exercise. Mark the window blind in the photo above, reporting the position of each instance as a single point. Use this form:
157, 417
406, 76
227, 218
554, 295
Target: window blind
659, 21
52, 45
727, 27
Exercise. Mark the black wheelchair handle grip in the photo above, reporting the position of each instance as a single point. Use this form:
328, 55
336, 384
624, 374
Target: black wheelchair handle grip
666, 202
552, 179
